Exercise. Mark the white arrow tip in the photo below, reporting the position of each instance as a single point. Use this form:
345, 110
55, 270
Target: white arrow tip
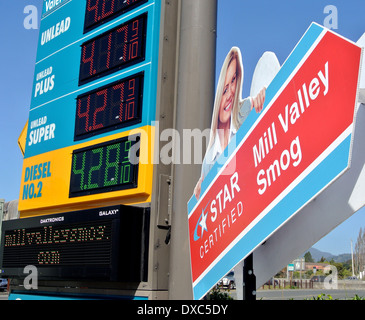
266, 69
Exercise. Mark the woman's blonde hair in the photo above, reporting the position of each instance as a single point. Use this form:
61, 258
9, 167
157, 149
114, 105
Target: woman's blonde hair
233, 54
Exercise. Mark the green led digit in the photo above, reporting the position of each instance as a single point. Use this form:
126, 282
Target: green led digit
79, 171
126, 174
109, 181
127, 147
95, 168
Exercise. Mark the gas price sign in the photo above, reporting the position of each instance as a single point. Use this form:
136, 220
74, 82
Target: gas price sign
98, 11
108, 108
93, 125
103, 167
113, 50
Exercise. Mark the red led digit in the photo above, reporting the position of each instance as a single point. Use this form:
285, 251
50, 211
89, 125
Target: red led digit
90, 48
108, 13
130, 101
120, 101
103, 52
133, 46
103, 93
135, 28
109, 50
133, 53
130, 109
124, 30
100, 11
91, 8
85, 114
118, 47
131, 87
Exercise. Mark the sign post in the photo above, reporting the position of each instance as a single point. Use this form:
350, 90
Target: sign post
281, 158
196, 95
2, 203
249, 279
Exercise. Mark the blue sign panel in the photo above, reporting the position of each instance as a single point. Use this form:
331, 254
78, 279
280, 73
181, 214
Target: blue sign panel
95, 82
72, 62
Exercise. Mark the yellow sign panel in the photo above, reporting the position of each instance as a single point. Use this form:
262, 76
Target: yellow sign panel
112, 170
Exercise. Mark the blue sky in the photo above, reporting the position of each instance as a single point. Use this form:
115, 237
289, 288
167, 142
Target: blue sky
17, 57
254, 26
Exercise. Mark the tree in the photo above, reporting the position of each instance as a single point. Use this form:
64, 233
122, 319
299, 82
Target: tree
308, 257
359, 252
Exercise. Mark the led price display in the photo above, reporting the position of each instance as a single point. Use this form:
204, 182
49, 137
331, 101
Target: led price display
87, 244
104, 167
100, 11
111, 107
113, 50
47, 246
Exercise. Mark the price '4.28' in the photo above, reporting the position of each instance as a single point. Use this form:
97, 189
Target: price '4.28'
103, 167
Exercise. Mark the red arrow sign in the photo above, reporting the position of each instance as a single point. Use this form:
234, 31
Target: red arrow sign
307, 119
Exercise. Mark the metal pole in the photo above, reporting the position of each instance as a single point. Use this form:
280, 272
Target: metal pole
249, 280
352, 260
2, 203
195, 98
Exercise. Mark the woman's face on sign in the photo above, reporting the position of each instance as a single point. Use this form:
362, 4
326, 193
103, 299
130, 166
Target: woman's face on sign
229, 91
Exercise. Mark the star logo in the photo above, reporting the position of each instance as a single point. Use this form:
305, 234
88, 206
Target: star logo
202, 223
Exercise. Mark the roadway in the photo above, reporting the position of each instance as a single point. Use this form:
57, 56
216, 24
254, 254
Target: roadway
3, 296
288, 294
302, 294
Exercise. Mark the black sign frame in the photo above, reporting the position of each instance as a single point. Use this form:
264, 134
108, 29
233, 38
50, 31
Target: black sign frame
113, 187
83, 79
127, 123
115, 14
129, 228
